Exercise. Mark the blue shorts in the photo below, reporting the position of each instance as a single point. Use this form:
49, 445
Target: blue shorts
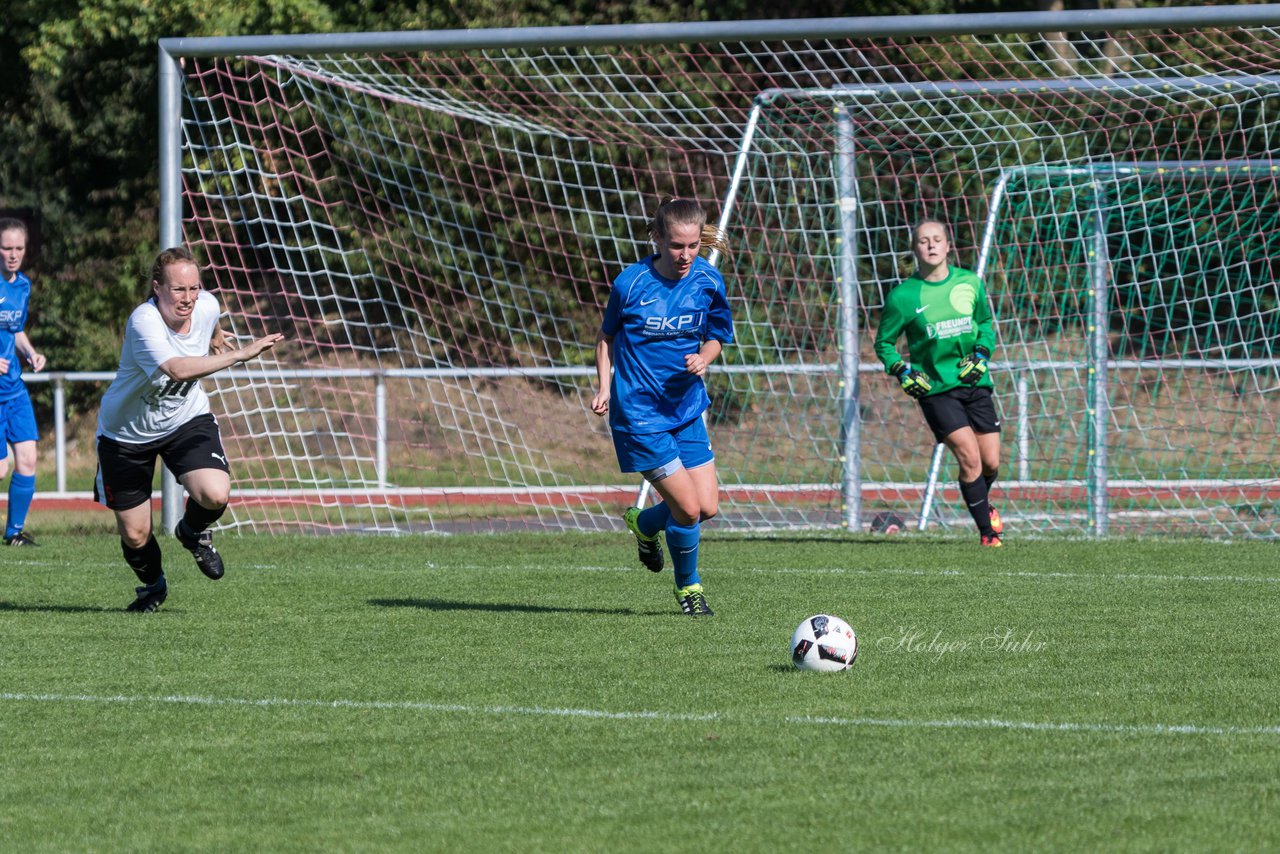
18, 422
688, 443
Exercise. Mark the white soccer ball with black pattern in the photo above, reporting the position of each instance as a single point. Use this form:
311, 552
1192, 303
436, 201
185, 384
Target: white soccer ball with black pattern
824, 643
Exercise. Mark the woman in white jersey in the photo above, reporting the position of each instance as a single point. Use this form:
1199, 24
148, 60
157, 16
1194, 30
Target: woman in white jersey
155, 408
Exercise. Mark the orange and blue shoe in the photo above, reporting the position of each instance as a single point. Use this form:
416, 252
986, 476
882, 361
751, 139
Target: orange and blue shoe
997, 524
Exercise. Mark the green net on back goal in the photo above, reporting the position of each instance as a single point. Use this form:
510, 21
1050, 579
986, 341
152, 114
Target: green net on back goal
435, 227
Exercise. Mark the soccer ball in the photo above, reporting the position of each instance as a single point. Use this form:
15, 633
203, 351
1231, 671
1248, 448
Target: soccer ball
824, 643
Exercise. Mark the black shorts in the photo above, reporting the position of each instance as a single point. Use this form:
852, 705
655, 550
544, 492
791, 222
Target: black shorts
948, 411
127, 470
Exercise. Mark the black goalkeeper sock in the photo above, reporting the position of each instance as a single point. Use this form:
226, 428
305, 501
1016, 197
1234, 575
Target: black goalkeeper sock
975, 497
991, 478
146, 562
198, 517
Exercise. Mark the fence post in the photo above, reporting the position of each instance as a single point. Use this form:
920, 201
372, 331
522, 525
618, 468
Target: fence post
1099, 408
380, 409
60, 433
170, 78
1022, 386
847, 281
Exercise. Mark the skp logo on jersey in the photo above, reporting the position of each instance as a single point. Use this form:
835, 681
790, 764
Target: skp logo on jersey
675, 325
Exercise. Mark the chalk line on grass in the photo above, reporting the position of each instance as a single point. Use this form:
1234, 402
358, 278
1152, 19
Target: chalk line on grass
1073, 727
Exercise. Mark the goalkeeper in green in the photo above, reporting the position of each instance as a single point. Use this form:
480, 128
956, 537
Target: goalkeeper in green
943, 312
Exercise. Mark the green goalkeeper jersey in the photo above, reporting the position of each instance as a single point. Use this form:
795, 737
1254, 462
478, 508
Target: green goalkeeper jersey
943, 322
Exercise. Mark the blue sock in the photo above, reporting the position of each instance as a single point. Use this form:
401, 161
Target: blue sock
22, 487
683, 542
654, 519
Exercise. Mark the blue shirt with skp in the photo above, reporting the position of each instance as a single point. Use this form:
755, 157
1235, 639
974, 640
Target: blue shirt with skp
13, 317
655, 322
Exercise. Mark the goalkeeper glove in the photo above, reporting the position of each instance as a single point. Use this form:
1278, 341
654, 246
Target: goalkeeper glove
915, 383
974, 366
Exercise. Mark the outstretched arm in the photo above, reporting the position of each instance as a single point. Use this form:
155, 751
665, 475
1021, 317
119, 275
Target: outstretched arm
184, 368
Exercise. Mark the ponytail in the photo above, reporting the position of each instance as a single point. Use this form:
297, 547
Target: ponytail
676, 211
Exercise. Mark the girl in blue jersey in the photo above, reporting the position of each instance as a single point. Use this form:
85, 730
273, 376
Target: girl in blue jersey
17, 418
666, 321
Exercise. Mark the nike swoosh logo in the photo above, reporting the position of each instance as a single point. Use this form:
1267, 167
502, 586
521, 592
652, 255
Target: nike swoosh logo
921, 308
649, 301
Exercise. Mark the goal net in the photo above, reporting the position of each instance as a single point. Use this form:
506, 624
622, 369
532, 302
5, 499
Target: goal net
434, 221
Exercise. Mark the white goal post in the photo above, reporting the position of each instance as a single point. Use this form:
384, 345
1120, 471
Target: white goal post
452, 205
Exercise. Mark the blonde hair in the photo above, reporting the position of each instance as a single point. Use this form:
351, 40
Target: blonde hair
676, 211
168, 258
930, 220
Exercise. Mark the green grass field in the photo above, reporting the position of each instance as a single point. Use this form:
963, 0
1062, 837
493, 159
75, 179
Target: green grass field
542, 693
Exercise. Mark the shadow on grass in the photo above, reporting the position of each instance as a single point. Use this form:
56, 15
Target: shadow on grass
60, 609
453, 605
784, 668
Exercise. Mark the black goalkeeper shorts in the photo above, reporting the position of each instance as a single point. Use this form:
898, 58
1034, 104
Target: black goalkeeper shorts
948, 411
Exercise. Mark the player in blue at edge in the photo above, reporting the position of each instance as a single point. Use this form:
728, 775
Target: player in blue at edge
17, 418
666, 321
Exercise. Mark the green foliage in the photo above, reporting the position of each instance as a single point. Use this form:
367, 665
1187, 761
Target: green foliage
471, 14
80, 146
121, 24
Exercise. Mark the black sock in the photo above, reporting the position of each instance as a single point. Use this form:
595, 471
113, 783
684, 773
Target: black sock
198, 517
145, 562
990, 477
975, 496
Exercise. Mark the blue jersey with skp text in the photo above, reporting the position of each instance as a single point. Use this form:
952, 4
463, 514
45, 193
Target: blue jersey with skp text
655, 322
13, 317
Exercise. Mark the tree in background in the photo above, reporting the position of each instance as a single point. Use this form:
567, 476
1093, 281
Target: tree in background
78, 145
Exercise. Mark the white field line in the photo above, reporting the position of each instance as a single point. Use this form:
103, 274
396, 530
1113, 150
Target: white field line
393, 705
599, 714
923, 573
